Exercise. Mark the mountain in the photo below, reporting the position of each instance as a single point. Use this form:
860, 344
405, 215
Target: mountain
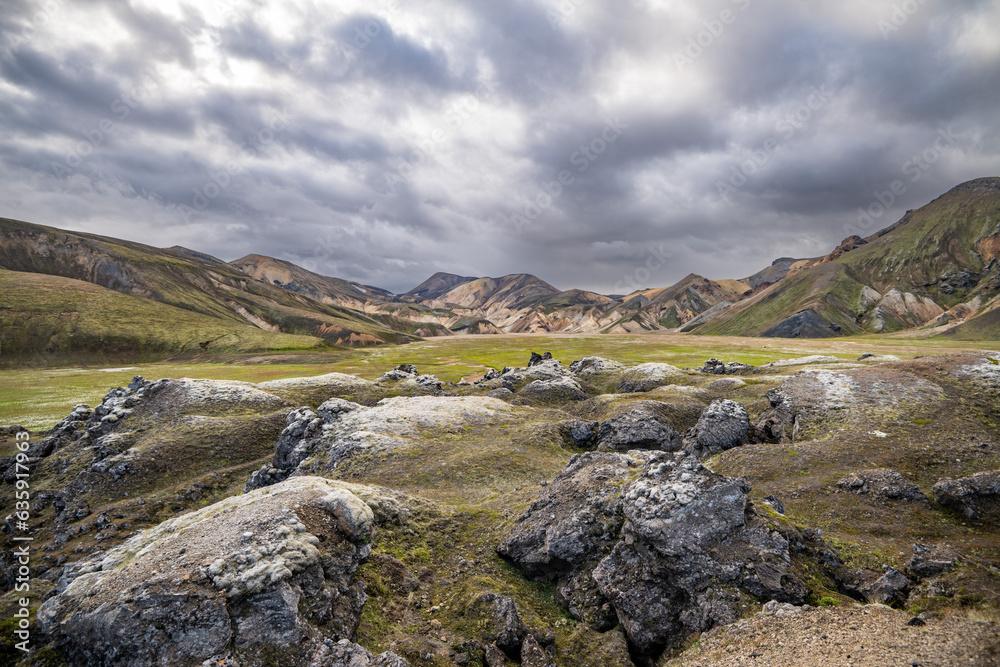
437, 285
935, 267
52, 316
182, 279
670, 307
332, 291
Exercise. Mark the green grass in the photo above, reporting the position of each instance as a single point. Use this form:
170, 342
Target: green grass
44, 317
38, 398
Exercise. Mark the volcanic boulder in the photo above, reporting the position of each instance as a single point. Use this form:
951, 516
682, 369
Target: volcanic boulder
267, 573
668, 552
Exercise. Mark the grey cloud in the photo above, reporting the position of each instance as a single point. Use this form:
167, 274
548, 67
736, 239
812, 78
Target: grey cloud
367, 113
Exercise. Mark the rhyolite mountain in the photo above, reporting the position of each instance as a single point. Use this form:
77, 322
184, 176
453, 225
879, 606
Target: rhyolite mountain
154, 300
934, 269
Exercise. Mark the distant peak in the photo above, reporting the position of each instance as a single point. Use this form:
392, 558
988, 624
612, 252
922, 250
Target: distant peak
985, 183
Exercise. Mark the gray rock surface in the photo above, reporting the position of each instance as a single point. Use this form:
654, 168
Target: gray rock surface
267, 573
674, 551
345, 653
589, 367
637, 429
332, 382
503, 624
883, 483
533, 655
716, 367
571, 526
976, 497
930, 561
724, 424
890, 588
556, 389
649, 376
313, 441
724, 384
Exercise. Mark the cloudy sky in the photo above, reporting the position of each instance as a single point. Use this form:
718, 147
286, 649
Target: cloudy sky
595, 143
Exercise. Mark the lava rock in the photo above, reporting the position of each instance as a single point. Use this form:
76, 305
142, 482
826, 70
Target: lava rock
724, 424
504, 626
591, 366
649, 376
637, 429
582, 434
930, 561
883, 483
270, 572
890, 588
345, 652
673, 552
556, 389
976, 497
716, 367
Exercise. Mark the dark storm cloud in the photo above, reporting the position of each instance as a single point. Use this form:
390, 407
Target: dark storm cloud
384, 141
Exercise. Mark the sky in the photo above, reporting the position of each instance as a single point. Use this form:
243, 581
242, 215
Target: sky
602, 145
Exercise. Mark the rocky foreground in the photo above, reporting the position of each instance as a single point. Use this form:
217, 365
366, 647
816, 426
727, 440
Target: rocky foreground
811, 511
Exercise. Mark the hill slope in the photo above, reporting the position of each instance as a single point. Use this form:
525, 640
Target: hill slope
185, 280
938, 264
52, 316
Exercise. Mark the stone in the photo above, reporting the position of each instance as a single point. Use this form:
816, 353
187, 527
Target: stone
555, 389
593, 366
495, 657
503, 624
724, 424
314, 441
582, 434
672, 552
930, 561
637, 429
775, 504
716, 367
649, 376
890, 588
976, 497
333, 383
533, 655
345, 653
280, 592
724, 384
401, 372
883, 483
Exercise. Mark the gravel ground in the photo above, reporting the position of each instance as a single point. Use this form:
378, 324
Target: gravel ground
859, 636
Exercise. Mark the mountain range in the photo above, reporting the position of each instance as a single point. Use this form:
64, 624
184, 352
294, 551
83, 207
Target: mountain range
936, 268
